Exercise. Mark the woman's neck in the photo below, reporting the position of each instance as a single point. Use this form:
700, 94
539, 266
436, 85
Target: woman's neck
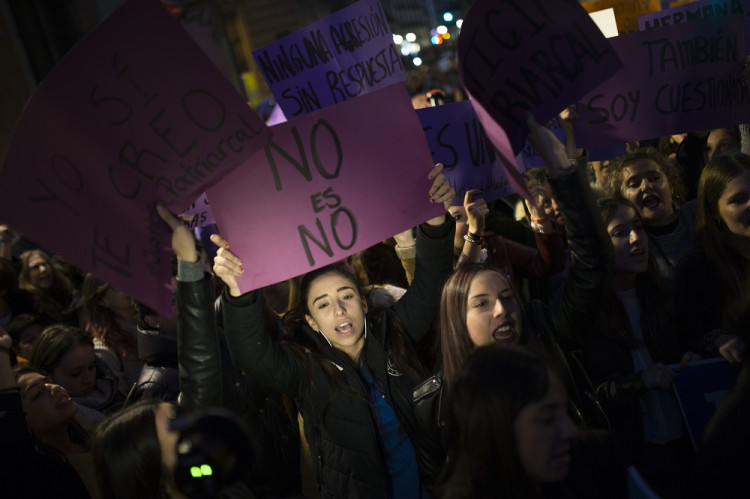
60, 440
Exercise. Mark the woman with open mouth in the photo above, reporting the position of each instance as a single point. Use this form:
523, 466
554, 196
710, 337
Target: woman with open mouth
480, 306
350, 370
629, 346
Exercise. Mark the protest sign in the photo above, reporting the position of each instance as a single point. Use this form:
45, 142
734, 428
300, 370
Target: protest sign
627, 12
349, 53
638, 488
699, 388
696, 11
198, 213
457, 139
325, 188
532, 56
134, 114
676, 79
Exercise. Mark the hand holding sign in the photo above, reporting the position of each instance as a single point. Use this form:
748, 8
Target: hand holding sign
183, 242
440, 192
227, 265
548, 146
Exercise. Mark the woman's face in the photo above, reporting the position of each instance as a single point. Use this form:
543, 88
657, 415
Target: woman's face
47, 405
544, 433
629, 240
338, 311
76, 371
120, 304
40, 272
492, 312
734, 205
644, 185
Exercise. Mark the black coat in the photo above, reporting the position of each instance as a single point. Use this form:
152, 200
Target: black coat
326, 385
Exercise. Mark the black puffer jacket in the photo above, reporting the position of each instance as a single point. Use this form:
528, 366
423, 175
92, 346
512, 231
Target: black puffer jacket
328, 390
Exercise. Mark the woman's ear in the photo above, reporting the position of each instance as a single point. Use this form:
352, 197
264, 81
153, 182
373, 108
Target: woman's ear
364, 303
311, 322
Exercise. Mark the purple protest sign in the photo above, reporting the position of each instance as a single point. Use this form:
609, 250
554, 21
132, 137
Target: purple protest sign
458, 140
198, 213
349, 53
518, 56
675, 79
324, 189
134, 114
703, 9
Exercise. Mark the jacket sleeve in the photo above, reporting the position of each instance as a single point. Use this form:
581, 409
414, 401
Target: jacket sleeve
592, 259
418, 308
254, 350
199, 359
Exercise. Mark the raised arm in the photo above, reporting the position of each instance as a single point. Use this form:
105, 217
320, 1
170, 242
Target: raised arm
592, 255
253, 349
199, 358
418, 308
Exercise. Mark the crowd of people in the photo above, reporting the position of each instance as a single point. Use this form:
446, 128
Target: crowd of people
479, 354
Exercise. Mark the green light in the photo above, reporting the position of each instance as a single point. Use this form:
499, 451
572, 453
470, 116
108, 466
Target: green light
196, 472
206, 470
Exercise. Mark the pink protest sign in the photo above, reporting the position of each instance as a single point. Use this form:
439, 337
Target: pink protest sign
134, 114
537, 56
349, 53
324, 189
198, 213
675, 79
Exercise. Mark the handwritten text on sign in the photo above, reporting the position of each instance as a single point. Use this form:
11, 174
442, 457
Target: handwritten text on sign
458, 140
128, 118
346, 54
536, 56
327, 189
704, 9
675, 79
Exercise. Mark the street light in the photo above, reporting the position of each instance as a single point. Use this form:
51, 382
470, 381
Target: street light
447, 17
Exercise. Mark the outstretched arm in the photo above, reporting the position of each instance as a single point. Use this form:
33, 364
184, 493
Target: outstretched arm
199, 358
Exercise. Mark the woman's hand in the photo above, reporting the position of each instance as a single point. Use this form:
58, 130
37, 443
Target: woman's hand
227, 265
183, 242
730, 347
440, 192
688, 358
476, 211
657, 376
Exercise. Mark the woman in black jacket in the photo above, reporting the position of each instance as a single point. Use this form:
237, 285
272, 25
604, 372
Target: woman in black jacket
351, 374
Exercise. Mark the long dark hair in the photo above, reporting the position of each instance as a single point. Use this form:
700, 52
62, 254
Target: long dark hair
613, 321
397, 345
54, 342
713, 234
488, 392
127, 455
455, 342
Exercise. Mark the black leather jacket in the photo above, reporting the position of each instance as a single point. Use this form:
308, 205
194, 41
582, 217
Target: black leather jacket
208, 378
326, 385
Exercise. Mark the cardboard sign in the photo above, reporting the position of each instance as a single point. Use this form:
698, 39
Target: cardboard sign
627, 12
699, 388
349, 53
530, 56
675, 79
134, 114
696, 11
324, 189
458, 140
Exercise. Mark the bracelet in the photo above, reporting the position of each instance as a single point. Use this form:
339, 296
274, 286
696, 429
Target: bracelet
473, 238
9, 389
